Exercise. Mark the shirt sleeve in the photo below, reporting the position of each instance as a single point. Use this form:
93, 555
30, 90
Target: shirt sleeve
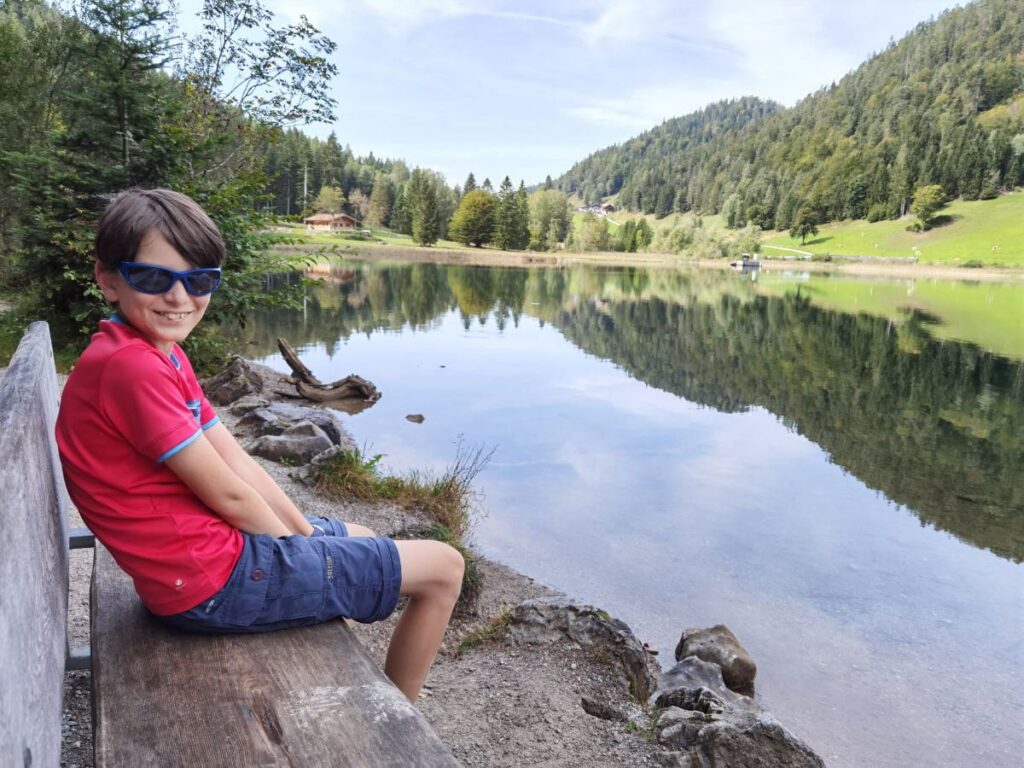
142, 396
206, 415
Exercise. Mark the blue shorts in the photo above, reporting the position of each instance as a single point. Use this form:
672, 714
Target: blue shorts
298, 580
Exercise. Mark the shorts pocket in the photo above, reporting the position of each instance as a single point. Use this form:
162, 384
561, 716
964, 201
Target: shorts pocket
245, 594
297, 581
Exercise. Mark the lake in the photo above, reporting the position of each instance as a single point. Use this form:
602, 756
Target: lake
831, 467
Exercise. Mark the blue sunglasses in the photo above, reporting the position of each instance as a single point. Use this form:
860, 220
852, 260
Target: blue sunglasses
148, 278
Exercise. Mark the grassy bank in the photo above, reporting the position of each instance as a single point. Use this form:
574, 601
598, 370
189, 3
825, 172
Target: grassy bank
969, 233
446, 500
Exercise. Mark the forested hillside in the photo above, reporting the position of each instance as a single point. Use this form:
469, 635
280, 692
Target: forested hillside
944, 105
104, 95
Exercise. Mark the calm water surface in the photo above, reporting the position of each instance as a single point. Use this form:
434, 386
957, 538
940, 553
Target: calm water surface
832, 468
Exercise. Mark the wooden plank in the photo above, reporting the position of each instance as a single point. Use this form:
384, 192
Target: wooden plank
34, 565
304, 697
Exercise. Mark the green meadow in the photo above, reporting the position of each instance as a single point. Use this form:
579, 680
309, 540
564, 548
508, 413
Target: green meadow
974, 232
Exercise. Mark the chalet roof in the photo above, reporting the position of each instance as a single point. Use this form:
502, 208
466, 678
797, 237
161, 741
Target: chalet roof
328, 218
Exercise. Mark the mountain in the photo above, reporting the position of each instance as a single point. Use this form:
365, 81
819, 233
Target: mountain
944, 105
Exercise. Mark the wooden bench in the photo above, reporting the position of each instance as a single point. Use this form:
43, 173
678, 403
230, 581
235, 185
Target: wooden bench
306, 697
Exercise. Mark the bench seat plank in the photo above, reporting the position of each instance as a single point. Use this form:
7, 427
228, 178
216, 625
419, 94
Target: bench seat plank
34, 562
305, 697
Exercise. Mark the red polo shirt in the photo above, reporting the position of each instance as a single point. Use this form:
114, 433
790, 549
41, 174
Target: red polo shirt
126, 408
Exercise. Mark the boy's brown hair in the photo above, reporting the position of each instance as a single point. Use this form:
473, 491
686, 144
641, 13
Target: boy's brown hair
133, 214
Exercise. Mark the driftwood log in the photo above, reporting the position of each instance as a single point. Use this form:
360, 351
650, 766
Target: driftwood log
311, 388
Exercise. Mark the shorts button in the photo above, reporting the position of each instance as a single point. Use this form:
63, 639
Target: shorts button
257, 575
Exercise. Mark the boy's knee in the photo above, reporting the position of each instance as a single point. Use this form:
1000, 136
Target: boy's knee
451, 568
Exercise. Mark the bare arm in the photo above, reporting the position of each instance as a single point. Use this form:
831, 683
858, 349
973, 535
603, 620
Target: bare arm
202, 469
246, 468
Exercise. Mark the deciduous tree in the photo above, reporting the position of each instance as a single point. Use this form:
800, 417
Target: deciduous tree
329, 200
805, 224
474, 221
927, 201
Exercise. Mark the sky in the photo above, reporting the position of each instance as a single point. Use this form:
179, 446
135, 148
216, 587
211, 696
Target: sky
528, 88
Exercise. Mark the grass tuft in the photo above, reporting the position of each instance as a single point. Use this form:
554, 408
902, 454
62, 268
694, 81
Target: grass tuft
447, 501
487, 633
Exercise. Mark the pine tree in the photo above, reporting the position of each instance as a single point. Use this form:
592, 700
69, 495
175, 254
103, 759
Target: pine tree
521, 219
503, 229
421, 197
380, 202
470, 184
401, 218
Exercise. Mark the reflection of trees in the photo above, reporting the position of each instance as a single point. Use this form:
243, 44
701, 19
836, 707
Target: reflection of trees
939, 429
480, 290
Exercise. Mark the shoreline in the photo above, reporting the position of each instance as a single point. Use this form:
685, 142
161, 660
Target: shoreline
496, 704
506, 699
494, 258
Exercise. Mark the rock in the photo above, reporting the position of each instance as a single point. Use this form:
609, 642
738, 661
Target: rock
244, 405
415, 418
714, 727
305, 429
720, 646
235, 381
297, 445
307, 473
277, 418
547, 620
602, 710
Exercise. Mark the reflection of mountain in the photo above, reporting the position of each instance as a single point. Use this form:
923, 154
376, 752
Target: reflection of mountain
938, 427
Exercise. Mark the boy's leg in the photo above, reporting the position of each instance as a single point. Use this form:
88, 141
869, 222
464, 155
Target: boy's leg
431, 579
334, 527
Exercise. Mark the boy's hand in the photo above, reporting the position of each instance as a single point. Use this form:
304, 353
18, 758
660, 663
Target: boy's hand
202, 469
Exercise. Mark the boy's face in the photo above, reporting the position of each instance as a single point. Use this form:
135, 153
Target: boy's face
164, 318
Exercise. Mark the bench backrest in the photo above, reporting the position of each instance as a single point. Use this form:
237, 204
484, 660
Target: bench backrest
33, 560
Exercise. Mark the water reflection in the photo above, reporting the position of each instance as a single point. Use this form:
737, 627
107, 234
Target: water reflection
937, 426
684, 449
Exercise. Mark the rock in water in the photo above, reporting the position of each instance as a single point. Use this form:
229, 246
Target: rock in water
713, 727
719, 645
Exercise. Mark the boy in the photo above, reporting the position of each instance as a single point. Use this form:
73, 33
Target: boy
211, 542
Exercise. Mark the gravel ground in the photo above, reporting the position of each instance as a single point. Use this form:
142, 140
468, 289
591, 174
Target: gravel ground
494, 705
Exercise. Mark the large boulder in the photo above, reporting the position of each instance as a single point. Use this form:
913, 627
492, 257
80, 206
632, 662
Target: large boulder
296, 445
277, 418
705, 724
548, 620
719, 645
235, 381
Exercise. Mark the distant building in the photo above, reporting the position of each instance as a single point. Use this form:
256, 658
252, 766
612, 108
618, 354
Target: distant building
329, 222
601, 210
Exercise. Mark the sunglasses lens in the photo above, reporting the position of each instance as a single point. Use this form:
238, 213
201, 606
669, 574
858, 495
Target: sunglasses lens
149, 279
202, 283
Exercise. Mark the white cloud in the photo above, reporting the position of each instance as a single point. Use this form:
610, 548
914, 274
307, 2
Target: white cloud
647, 106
